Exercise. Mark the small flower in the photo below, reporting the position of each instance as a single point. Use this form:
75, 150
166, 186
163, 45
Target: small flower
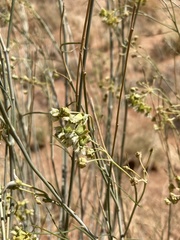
103, 13
90, 153
74, 137
177, 178
38, 201
60, 135
23, 203
83, 151
77, 118
73, 132
82, 162
69, 127
81, 129
55, 114
167, 201
109, 17
29, 212
84, 140
65, 112
137, 101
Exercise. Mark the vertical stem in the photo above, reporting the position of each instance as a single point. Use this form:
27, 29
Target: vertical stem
3, 229
41, 177
10, 23
110, 98
134, 14
70, 189
83, 52
67, 194
9, 90
170, 181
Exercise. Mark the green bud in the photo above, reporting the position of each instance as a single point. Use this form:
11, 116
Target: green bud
134, 89
103, 13
90, 152
167, 201
84, 140
69, 128
38, 201
65, 112
174, 198
177, 178
15, 77
82, 162
81, 129
77, 118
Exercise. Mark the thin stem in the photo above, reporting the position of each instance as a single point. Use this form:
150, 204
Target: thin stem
3, 229
134, 14
83, 53
70, 188
46, 183
10, 23
9, 85
136, 204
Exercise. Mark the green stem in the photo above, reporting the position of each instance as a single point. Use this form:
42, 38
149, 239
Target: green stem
137, 201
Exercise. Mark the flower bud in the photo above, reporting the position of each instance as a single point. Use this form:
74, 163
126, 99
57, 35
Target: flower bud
82, 162
55, 114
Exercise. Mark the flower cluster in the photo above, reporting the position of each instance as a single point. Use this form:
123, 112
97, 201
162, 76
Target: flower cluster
19, 233
174, 197
73, 132
109, 17
166, 116
22, 212
136, 99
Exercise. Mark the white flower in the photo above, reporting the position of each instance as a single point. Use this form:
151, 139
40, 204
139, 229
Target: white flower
74, 137
55, 113
83, 151
77, 118
60, 135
